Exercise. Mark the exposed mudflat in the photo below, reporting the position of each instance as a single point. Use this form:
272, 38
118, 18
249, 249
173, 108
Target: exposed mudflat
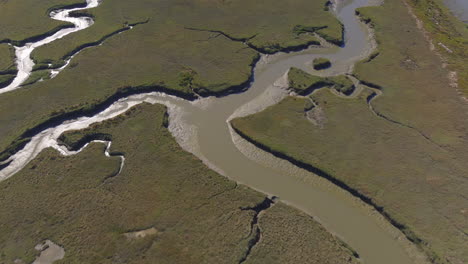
50, 252
141, 233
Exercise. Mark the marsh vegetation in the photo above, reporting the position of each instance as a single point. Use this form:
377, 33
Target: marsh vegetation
402, 135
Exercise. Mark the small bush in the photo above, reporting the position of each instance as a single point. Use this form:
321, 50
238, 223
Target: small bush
321, 63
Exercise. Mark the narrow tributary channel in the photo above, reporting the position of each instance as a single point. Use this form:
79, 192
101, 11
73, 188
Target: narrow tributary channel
202, 127
25, 64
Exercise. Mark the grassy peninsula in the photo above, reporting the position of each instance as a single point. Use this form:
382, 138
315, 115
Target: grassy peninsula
304, 83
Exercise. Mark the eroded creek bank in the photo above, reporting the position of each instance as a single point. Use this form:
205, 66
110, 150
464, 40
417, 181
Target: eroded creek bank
202, 128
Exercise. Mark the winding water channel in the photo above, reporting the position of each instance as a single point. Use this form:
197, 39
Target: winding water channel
24, 62
202, 127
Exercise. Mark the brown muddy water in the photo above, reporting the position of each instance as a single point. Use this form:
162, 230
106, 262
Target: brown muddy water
459, 8
202, 127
